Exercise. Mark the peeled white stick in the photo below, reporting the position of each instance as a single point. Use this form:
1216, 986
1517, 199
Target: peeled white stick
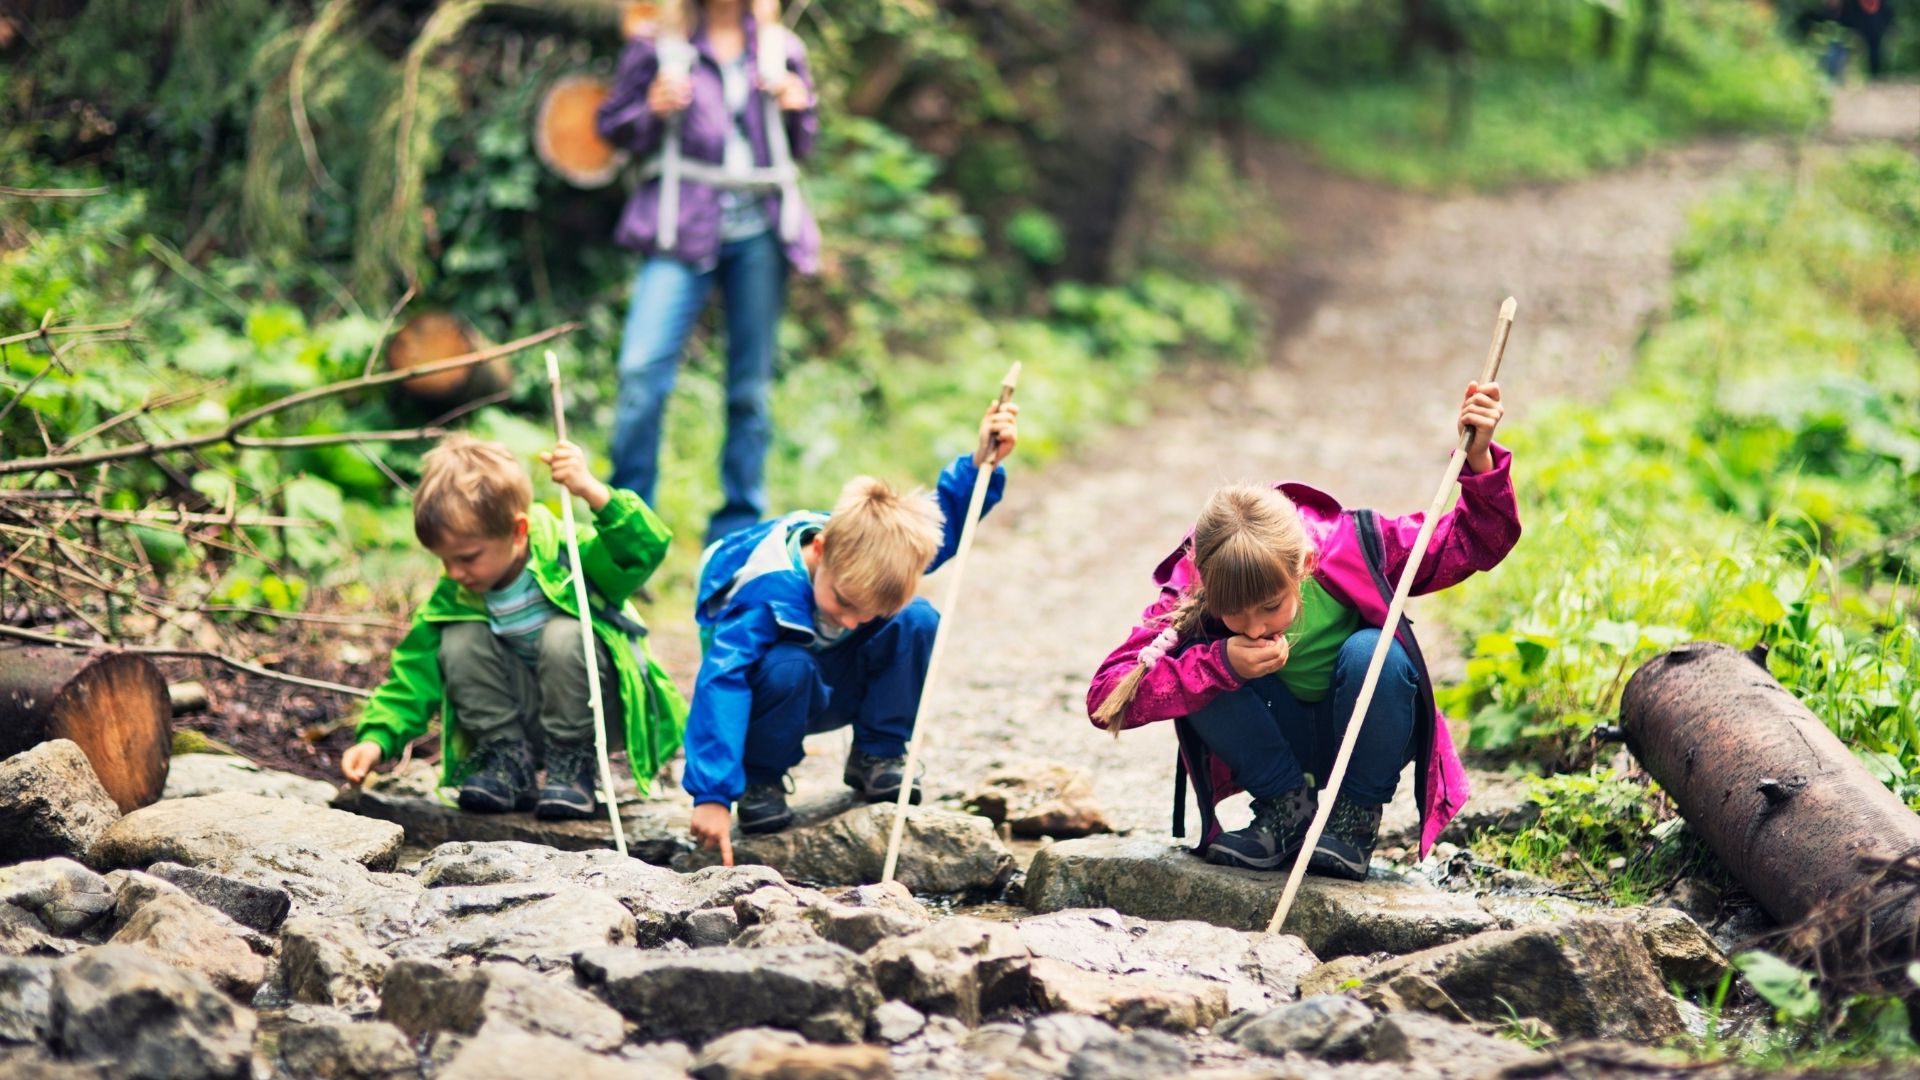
956, 569
1501, 328
585, 607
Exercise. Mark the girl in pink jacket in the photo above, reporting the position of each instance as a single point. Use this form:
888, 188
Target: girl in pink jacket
1256, 647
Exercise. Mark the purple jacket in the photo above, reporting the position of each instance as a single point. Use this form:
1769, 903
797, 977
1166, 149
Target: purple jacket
1475, 535
625, 121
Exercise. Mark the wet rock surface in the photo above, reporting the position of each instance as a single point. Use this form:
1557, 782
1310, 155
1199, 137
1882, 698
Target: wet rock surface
145, 1018
260, 907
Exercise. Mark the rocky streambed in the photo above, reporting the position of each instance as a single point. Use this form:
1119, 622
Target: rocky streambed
245, 927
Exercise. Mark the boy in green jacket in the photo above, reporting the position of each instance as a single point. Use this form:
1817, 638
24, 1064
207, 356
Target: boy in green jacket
496, 649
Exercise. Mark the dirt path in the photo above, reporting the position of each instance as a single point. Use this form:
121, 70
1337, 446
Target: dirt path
1383, 309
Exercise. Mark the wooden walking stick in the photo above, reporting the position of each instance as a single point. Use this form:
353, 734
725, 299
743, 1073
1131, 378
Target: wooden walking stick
579, 572
957, 569
1501, 328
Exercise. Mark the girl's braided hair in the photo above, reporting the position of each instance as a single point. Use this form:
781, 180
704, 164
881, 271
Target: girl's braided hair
1249, 545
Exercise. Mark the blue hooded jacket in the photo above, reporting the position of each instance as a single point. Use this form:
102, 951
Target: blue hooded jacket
749, 596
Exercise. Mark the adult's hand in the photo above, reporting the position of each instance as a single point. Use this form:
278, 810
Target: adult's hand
712, 826
669, 93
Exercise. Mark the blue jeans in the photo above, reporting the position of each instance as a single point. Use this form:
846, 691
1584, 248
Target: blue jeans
872, 681
667, 297
1271, 739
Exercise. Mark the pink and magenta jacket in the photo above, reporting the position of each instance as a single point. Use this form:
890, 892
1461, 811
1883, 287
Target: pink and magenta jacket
1475, 535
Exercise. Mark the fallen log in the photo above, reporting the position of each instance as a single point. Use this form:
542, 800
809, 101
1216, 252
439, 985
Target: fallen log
565, 136
114, 705
434, 336
1789, 810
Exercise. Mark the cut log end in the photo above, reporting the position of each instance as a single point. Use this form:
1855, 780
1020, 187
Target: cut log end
438, 335
113, 705
567, 138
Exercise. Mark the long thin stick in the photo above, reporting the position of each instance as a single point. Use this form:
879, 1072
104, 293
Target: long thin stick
1501, 328
586, 621
957, 569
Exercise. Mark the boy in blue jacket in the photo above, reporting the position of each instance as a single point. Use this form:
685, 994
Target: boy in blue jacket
810, 623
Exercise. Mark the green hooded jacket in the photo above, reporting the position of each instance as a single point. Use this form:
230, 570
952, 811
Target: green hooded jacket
624, 545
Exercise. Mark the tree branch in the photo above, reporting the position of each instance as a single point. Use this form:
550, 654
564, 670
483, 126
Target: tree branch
253, 416
202, 654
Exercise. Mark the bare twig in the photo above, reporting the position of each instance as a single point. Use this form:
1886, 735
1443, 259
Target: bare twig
46, 331
203, 654
252, 416
328, 20
295, 616
335, 438
386, 328
160, 401
51, 193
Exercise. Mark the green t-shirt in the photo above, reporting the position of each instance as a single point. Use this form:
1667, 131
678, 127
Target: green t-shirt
1323, 625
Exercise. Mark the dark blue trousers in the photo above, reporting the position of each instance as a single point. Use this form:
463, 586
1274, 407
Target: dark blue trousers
871, 681
1271, 739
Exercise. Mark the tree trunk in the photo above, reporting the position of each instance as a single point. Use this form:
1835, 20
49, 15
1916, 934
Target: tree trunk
1645, 44
1605, 34
114, 705
1785, 805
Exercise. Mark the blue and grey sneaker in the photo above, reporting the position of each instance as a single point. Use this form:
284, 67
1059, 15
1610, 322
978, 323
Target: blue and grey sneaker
1345, 849
1279, 826
877, 779
763, 808
502, 778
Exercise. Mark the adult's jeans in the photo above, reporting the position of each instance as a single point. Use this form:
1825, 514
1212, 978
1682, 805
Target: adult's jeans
1271, 739
871, 681
667, 297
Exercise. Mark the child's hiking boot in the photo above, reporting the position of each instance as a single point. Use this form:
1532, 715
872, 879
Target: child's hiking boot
1346, 847
763, 808
502, 778
573, 771
877, 779
1279, 826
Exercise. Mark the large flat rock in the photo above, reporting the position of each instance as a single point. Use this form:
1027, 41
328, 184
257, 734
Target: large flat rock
189, 775
210, 828
1153, 879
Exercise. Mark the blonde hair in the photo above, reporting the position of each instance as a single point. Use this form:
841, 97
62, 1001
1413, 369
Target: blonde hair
877, 542
1249, 545
469, 488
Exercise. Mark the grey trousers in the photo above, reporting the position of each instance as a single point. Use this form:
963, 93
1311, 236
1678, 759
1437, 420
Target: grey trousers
496, 695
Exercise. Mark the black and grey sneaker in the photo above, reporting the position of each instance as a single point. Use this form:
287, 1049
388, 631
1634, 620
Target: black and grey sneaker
763, 808
877, 779
1345, 849
502, 778
573, 772
1279, 826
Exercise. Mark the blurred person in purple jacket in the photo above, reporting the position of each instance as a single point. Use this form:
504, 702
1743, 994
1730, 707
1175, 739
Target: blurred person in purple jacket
1267, 617
731, 217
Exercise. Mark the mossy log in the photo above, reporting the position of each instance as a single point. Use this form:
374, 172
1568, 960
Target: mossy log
113, 705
